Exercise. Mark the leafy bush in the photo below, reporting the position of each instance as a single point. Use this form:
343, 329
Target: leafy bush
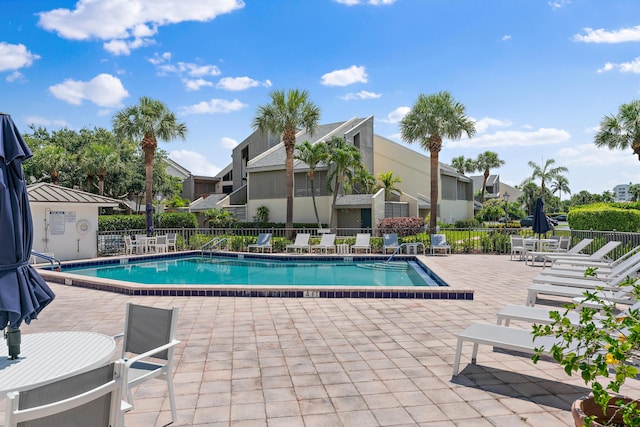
467, 223
600, 216
403, 226
138, 222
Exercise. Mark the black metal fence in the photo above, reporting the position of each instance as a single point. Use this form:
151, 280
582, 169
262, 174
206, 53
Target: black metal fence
468, 240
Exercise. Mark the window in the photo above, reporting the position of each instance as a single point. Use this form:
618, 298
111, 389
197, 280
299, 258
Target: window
302, 184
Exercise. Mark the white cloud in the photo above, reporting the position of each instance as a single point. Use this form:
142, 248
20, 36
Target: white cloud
159, 59
226, 142
194, 162
189, 69
558, 4
196, 84
124, 47
396, 115
587, 155
363, 94
506, 37
129, 20
214, 106
353, 74
240, 83
589, 35
15, 76
487, 122
103, 90
41, 121
625, 67
15, 56
514, 138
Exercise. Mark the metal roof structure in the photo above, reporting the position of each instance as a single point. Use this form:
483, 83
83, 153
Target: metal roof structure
45, 192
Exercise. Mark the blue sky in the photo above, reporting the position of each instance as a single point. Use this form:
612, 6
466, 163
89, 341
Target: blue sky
536, 75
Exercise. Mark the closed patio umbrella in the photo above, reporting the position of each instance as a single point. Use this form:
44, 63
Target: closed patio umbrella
23, 292
540, 222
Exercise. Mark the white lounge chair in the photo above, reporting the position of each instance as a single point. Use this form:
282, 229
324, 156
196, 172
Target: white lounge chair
439, 243
498, 336
327, 243
611, 293
390, 241
577, 264
150, 332
599, 255
363, 242
629, 266
90, 398
263, 242
570, 252
300, 244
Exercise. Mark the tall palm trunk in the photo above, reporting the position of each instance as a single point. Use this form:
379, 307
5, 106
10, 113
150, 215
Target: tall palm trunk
289, 139
435, 145
484, 184
313, 198
102, 175
149, 145
336, 187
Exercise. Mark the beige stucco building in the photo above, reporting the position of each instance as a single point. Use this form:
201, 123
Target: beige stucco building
259, 179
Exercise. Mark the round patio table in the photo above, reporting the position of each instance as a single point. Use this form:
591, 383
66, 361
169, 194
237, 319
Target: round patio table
51, 356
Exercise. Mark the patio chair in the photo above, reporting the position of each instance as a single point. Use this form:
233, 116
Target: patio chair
327, 243
577, 264
90, 398
172, 241
628, 267
160, 244
300, 244
439, 243
599, 255
149, 332
133, 245
363, 242
517, 246
263, 242
560, 253
390, 241
609, 291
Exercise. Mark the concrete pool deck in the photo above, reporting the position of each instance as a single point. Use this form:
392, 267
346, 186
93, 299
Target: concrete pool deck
333, 362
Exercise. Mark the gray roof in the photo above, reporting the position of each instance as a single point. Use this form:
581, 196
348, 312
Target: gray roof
275, 157
206, 203
354, 200
423, 202
45, 192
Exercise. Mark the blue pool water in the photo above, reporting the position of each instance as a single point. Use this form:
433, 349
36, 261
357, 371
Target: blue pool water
234, 271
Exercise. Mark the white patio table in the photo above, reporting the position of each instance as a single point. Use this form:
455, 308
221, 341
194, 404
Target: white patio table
51, 356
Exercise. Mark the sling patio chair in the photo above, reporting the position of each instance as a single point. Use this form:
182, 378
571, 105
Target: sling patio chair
263, 242
363, 242
150, 332
300, 244
390, 241
439, 243
327, 243
89, 398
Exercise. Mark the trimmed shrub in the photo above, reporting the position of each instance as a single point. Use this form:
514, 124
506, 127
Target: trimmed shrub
138, 222
467, 223
602, 217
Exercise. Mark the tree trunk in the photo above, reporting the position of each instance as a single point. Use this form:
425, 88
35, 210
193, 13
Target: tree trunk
101, 177
434, 191
313, 198
149, 145
289, 147
336, 185
484, 184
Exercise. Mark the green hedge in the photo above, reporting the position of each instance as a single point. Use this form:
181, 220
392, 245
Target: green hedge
138, 222
602, 217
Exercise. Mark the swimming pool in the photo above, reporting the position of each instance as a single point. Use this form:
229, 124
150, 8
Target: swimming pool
265, 272
132, 267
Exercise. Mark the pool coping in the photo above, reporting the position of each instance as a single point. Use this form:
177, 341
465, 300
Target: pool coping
222, 290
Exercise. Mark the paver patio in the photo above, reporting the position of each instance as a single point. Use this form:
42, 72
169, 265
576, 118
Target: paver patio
334, 362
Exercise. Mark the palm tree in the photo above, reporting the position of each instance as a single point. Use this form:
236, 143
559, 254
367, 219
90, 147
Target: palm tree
287, 112
432, 118
312, 155
344, 160
389, 182
622, 130
634, 190
52, 159
527, 198
560, 184
364, 182
149, 121
101, 159
463, 165
546, 173
486, 161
